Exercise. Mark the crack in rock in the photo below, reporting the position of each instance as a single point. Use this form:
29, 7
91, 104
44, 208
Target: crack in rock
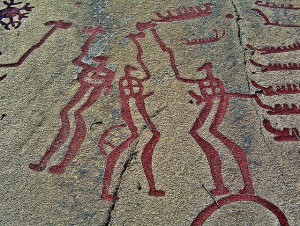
239, 27
127, 163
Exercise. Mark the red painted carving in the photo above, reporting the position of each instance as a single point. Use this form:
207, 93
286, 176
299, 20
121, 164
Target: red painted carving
96, 79
203, 41
103, 142
276, 6
285, 135
132, 88
185, 14
229, 16
212, 89
278, 90
78, 4
10, 13
3, 77
209, 210
55, 25
284, 109
268, 22
280, 49
278, 109
277, 67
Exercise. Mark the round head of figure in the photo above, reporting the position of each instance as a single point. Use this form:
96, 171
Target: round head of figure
102, 60
128, 69
206, 66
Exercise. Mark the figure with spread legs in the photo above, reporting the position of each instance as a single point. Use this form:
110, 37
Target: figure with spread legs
131, 88
212, 92
92, 79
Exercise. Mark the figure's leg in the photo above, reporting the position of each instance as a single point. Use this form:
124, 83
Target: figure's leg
4, 24
12, 22
64, 131
210, 152
113, 157
79, 134
147, 153
236, 150
111, 161
18, 24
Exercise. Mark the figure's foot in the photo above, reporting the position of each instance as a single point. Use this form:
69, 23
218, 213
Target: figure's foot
249, 190
220, 191
37, 167
109, 198
156, 193
58, 169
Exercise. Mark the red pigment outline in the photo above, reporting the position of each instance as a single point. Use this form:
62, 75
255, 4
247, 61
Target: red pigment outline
185, 14
279, 49
204, 41
275, 6
88, 72
267, 21
11, 12
229, 16
78, 4
209, 210
277, 109
284, 109
279, 90
285, 135
103, 142
217, 91
277, 67
131, 88
3, 77
55, 25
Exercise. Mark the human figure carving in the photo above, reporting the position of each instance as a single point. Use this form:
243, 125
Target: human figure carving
92, 78
212, 91
131, 88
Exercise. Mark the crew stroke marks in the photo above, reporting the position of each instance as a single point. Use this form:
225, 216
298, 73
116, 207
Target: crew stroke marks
278, 90
276, 6
272, 5
286, 134
12, 16
277, 49
184, 14
277, 66
204, 41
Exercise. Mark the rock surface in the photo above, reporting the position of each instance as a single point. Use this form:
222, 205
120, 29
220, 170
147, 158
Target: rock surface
241, 109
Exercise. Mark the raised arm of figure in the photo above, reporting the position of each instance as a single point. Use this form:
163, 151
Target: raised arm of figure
85, 48
164, 48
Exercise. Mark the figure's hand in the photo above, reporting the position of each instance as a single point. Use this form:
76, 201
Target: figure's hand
93, 30
27, 7
144, 26
148, 95
199, 99
136, 36
108, 89
58, 24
